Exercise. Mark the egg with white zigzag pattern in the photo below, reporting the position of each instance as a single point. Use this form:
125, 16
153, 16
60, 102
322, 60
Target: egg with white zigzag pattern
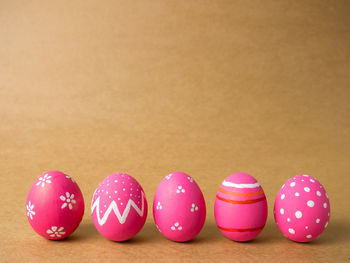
119, 207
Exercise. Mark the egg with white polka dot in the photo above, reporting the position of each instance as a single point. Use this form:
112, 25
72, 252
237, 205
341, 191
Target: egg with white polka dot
302, 209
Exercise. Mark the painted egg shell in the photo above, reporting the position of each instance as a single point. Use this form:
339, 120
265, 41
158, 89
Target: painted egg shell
55, 205
119, 207
179, 208
302, 209
240, 207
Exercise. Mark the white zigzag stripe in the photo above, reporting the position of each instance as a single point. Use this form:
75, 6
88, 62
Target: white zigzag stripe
113, 206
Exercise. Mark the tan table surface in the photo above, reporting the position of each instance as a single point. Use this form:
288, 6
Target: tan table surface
149, 87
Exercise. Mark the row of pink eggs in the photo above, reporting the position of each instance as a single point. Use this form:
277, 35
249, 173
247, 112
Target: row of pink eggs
55, 207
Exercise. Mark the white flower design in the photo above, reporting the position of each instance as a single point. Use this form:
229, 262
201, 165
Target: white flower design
159, 206
68, 200
168, 176
30, 211
67, 176
194, 208
44, 180
180, 189
55, 231
176, 226
190, 179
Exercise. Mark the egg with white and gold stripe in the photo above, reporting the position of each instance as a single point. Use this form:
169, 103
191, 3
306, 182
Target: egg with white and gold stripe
240, 207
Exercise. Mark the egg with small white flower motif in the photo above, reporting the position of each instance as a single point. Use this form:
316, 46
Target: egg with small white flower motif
55, 205
179, 208
119, 207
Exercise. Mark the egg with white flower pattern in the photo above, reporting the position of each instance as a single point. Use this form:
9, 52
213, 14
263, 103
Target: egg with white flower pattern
179, 208
302, 208
55, 205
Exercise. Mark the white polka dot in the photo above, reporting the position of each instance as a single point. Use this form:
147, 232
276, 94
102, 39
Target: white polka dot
292, 184
318, 193
306, 189
282, 211
318, 220
310, 203
302, 180
328, 214
326, 195
288, 219
283, 186
283, 196
309, 236
305, 175
298, 214
326, 225
291, 230
297, 194
325, 205
306, 227
312, 180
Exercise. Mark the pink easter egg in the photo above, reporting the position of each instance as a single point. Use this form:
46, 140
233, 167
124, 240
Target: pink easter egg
55, 205
119, 207
240, 207
302, 209
179, 208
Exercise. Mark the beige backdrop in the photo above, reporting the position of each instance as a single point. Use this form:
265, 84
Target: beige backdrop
149, 87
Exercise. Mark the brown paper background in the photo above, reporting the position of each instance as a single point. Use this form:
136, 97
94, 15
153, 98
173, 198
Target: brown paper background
148, 87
